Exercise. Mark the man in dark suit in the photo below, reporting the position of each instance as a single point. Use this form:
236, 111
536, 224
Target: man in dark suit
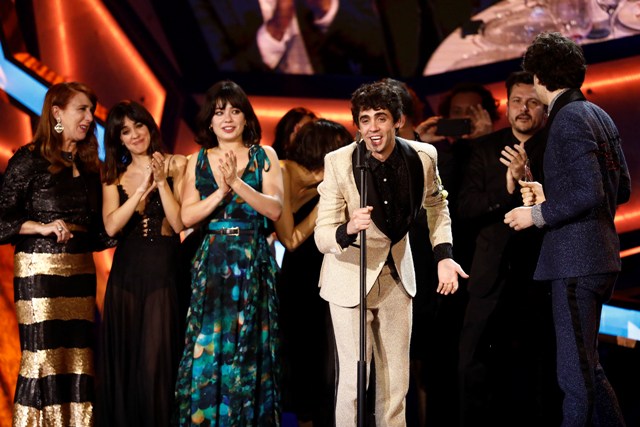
507, 324
586, 177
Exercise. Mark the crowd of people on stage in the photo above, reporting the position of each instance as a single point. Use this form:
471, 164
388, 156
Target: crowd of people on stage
201, 326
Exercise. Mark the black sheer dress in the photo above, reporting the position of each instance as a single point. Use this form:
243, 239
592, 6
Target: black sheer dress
141, 333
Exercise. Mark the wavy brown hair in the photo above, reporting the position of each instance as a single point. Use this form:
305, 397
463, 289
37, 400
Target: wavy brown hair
50, 142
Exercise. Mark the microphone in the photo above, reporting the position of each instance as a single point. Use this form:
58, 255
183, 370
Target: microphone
363, 152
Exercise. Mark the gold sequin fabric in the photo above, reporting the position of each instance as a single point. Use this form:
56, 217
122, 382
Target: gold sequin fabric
65, 415
54, 289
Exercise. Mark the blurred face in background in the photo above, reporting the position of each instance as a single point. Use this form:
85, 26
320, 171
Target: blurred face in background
461, 104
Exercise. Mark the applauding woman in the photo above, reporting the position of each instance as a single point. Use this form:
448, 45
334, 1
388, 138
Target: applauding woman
228, 373
140, 339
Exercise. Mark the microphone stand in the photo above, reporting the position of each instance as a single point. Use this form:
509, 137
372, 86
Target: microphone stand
363, 167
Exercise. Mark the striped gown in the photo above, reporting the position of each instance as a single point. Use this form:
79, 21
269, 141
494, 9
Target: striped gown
54, 291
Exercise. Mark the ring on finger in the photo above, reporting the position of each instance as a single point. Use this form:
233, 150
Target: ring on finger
59, 228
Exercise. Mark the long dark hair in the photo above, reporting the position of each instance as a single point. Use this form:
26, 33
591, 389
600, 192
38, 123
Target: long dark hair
50, 142
117, 157
219, 94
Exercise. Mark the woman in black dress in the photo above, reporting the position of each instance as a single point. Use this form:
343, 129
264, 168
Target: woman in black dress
50, 211
140, 335
305, 324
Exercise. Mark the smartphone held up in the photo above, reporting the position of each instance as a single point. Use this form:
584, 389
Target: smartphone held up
453, 127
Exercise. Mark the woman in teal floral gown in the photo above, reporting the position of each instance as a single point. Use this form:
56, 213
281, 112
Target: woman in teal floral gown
228, 374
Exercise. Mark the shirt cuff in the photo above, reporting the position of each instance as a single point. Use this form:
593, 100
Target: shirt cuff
271, 50
536, 215
442, 251
343, 238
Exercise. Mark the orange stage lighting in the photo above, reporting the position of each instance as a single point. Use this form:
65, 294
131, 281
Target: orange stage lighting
629, 252
155, 105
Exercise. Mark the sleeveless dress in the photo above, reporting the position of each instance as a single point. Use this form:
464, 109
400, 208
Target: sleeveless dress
228, 374
54, 289
141, 333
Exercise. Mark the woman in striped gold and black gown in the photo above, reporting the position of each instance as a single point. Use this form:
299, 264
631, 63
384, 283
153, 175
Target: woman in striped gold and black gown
49, 208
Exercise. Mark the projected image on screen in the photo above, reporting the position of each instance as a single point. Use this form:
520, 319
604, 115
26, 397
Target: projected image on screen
350, 37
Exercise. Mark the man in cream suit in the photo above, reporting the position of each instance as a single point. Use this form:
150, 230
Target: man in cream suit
402, 178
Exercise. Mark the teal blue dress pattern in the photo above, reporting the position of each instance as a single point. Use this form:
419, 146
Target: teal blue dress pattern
228, 374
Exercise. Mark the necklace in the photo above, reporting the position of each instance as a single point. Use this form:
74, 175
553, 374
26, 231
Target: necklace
67, 155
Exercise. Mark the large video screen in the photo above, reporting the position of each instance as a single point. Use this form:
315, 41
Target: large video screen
339, 37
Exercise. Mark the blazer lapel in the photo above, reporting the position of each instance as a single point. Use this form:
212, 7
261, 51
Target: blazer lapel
377, 215
416, 177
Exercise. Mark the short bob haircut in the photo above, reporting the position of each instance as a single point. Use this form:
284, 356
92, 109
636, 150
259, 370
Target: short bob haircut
218, 96
315, 139
376, 96
488, 102
557, 61
50, 142
117, 157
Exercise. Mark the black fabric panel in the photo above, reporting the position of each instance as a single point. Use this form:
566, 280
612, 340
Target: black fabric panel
57, 333
54, 390
49, 286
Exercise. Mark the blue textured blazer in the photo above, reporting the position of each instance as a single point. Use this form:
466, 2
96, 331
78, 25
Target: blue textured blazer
586, 177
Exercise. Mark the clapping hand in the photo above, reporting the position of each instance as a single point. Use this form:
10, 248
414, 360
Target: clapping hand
228, 167
158, 168
515, 158
148, 184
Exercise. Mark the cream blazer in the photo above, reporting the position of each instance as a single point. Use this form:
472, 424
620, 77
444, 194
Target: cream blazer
339, 196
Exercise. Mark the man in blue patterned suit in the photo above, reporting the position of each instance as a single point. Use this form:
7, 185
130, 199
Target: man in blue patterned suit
586, 177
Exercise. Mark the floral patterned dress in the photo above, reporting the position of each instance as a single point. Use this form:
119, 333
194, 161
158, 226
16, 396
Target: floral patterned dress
228, 374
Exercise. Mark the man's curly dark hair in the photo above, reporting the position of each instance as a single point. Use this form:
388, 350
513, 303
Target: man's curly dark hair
377, 96
557, 61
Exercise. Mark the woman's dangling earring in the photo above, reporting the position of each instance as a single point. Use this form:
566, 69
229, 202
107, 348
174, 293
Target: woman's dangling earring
58, 127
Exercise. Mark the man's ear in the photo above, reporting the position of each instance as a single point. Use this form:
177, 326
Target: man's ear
401, 121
